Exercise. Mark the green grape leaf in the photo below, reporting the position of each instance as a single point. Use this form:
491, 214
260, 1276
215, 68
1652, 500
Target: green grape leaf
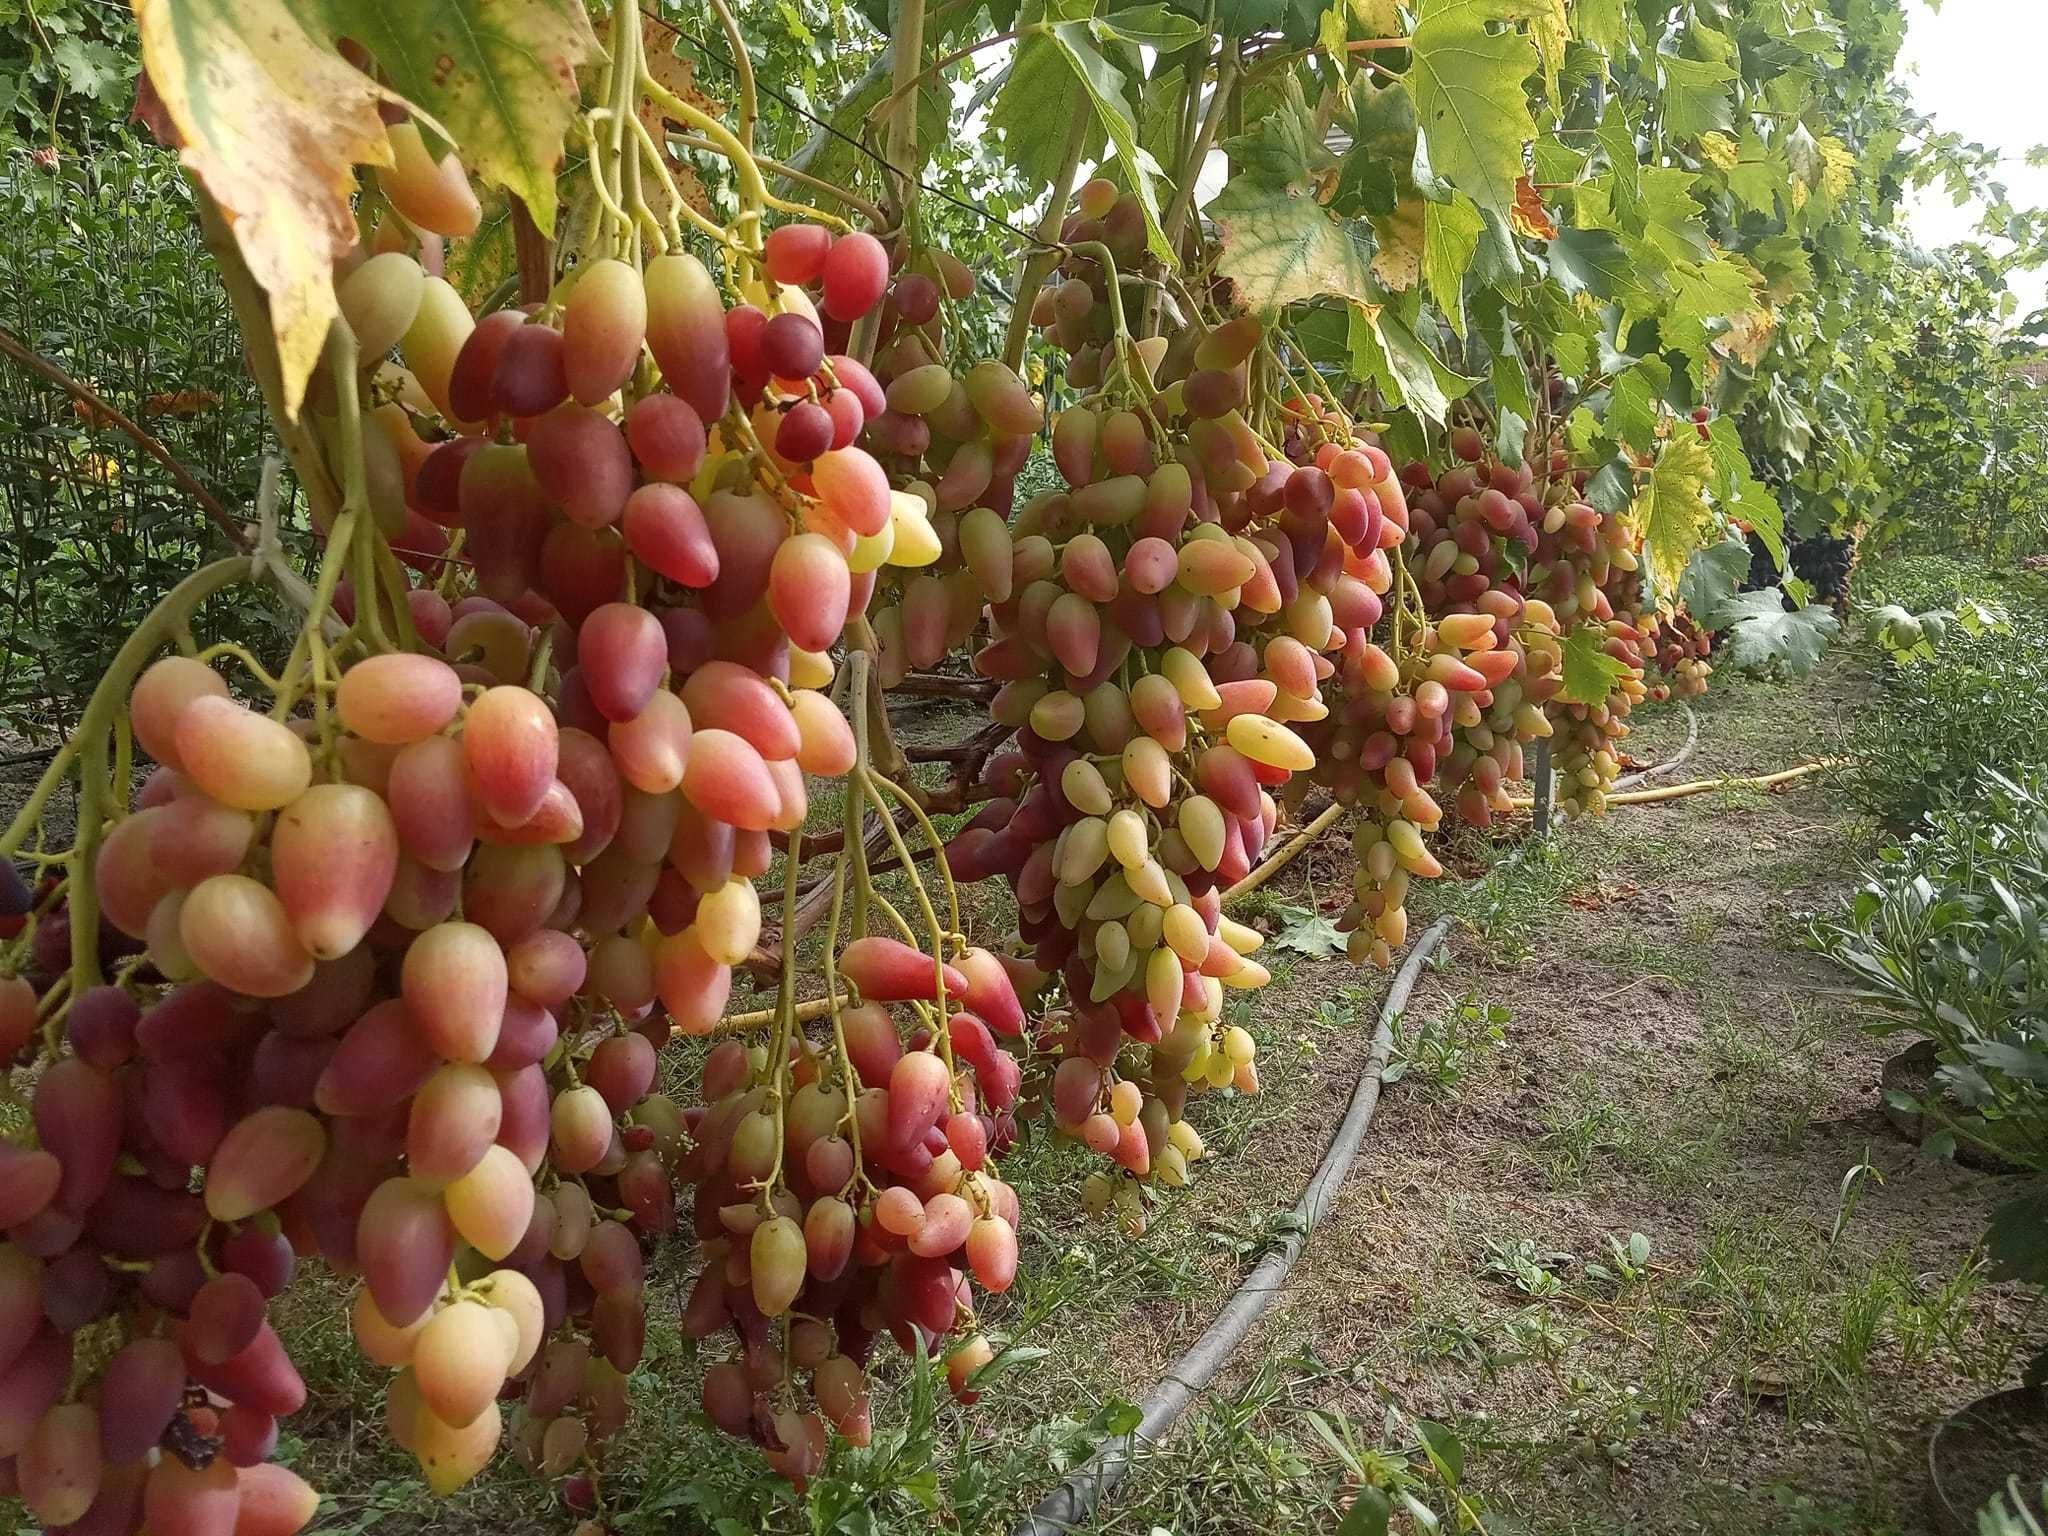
1672, 509
1612, 485
1450, 236
1149, 26
1741, 494
1305, 931
1511, 384
1602, 24
1105, 86
1758, 178
1713, 576
1631, 416
1034, 111
1281, 246
1589, 672
1761, 634
499, 75
1594, 262
1470, 97
1695, 97
1379, 168
1384, 348
273, 123
1282, 149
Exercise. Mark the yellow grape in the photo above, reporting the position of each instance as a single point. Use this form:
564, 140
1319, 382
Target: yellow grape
240, 758
238, 933
380, 300
398, 698
459, 1362
729, 922
604, 323
779, 1260
510, 1292
434, 340
379, 1339
433, 194
451, 1456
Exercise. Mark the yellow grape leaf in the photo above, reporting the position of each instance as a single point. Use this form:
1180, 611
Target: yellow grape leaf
1551, 31
1378, 18
1671, 507
1280, 247
680, 76
1398, 261
1837, 166
499, 75
1719, 150
1748, 335
273, 123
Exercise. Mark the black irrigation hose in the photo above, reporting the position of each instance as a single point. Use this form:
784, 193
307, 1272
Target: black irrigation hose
1692, 740
1076, 1498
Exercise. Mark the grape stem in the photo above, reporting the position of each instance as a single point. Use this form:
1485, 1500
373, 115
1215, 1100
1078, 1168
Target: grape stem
743, 71
156, 629
1190, 171
1042, 261
753, 190
901, 143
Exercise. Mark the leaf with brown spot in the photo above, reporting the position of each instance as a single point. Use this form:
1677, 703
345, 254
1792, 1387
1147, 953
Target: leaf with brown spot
1398, 260
499, 75
274, 122
679, 75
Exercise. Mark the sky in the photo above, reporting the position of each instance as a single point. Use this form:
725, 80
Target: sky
1975, 65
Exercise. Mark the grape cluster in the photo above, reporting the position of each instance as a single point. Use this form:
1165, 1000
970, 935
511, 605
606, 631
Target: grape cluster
1457, 689
1681, 649
881, 1196
1073, 312
1157, 627
1826, 562
955, 439
1587, 567
396, 958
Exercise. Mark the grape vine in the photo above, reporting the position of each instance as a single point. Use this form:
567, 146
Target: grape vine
377, 955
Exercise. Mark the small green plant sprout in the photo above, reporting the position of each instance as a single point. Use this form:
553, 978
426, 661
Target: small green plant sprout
1526, 1265
1445, 1051
1854, 1182
1416, 1473
1631, 1260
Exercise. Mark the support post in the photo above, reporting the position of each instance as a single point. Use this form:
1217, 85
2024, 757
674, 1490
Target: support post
1540, 778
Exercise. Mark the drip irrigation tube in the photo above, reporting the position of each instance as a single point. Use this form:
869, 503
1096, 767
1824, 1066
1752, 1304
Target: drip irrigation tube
1072, 1502
1704, 786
